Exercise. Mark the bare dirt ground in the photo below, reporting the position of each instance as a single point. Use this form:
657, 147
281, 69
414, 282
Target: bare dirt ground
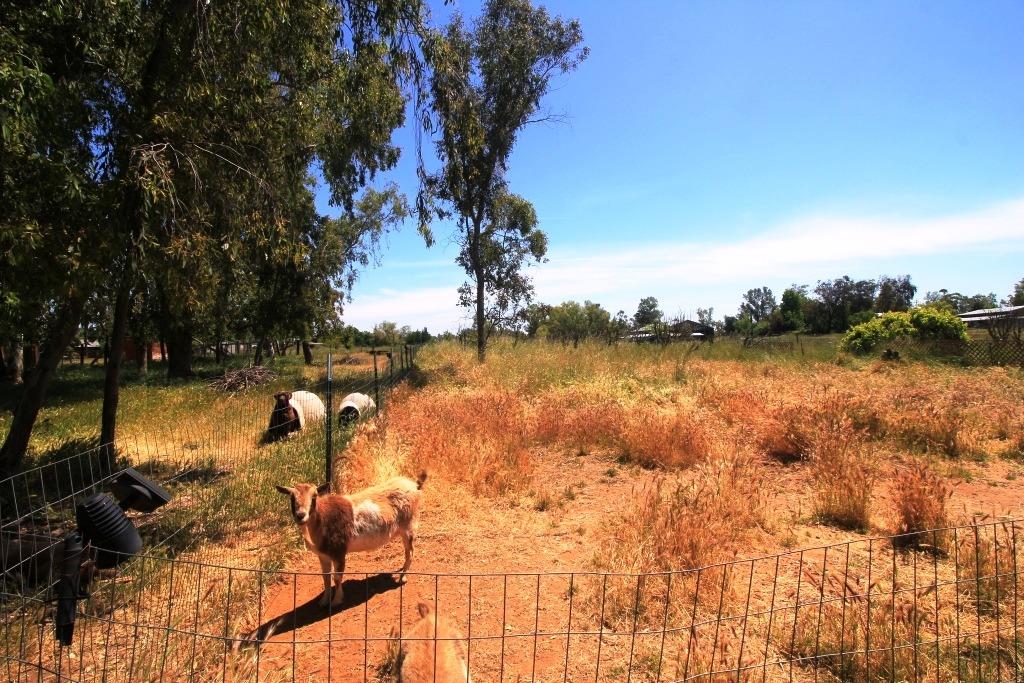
553, 529
459, 535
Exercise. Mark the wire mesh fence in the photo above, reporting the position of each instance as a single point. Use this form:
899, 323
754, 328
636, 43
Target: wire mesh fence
870, 609
218, 469
975, 352
208, 598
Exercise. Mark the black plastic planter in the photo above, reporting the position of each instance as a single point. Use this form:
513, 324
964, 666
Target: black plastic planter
103, 523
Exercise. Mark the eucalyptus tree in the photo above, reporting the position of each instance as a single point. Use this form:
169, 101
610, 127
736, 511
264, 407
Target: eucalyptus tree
54, 232
496, 258
304, 285
254, 94
167, 137
486, 85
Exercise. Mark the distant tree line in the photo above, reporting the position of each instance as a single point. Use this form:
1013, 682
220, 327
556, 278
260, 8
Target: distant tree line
837, 305
832, 306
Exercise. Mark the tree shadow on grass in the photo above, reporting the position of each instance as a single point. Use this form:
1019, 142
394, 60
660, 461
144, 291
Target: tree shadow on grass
356, 592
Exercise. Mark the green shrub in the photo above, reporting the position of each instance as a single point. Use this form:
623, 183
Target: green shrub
937, 323
865, 337
925, 322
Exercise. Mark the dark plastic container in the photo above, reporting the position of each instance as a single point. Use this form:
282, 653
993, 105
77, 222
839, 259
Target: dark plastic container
103, 523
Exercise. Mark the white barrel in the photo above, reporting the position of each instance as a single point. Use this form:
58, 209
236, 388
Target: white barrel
309, 407
355, 407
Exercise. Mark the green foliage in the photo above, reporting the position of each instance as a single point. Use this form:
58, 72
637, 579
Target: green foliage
165, 151
572, 322
867, 336
838, 300
924, 322
794, 300
758, 304
386, 333
191, 129
504, 247
935, 323
647, 312
960, 303
861, 317
894, 294
1017, 297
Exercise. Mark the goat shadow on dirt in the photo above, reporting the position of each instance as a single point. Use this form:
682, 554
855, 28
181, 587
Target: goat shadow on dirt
356, 592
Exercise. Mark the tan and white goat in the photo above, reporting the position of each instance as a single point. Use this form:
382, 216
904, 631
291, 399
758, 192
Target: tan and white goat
417, 661
334, 525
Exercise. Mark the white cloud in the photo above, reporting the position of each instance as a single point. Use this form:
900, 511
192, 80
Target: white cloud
433, 307
803, 249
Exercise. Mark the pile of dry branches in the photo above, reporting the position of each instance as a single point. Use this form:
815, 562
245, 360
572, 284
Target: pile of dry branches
243, 378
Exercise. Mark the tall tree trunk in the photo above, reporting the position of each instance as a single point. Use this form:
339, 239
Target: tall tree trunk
219, 340
59, 336
258, 359
478, 273
112, 375
307, 352
142, 351
179, 349
18, 361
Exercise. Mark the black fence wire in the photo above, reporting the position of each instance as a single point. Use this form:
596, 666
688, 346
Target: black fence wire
207, 600
861, 610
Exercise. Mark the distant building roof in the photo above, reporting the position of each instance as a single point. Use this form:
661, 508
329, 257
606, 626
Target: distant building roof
982, 314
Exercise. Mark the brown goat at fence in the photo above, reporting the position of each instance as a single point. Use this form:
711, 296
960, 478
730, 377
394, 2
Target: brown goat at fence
334, 525
431, 650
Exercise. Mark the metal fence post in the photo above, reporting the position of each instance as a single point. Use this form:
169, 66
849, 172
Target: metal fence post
391, 366
330, 420
376, 383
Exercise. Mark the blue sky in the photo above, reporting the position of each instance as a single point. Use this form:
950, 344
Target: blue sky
714, 146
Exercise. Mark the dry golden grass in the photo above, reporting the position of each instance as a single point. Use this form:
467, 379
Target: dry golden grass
665, 438
986, 551
708, 427
677, 524
716, 656
844, 471
921, 499
839, 626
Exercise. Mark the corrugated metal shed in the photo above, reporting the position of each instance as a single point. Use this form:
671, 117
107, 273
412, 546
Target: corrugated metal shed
983, 314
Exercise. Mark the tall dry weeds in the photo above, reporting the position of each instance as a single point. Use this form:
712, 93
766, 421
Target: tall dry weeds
665, 438
678, 524
988, 557
478, 438
844, 470
921, 497
840, 629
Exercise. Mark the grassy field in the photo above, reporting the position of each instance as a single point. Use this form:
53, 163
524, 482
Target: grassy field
610, 462
726, 458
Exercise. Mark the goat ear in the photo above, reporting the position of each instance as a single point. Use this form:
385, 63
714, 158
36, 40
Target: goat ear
323, 489
284, 489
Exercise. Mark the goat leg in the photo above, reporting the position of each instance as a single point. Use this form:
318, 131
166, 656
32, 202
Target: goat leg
325, 569
339, 574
